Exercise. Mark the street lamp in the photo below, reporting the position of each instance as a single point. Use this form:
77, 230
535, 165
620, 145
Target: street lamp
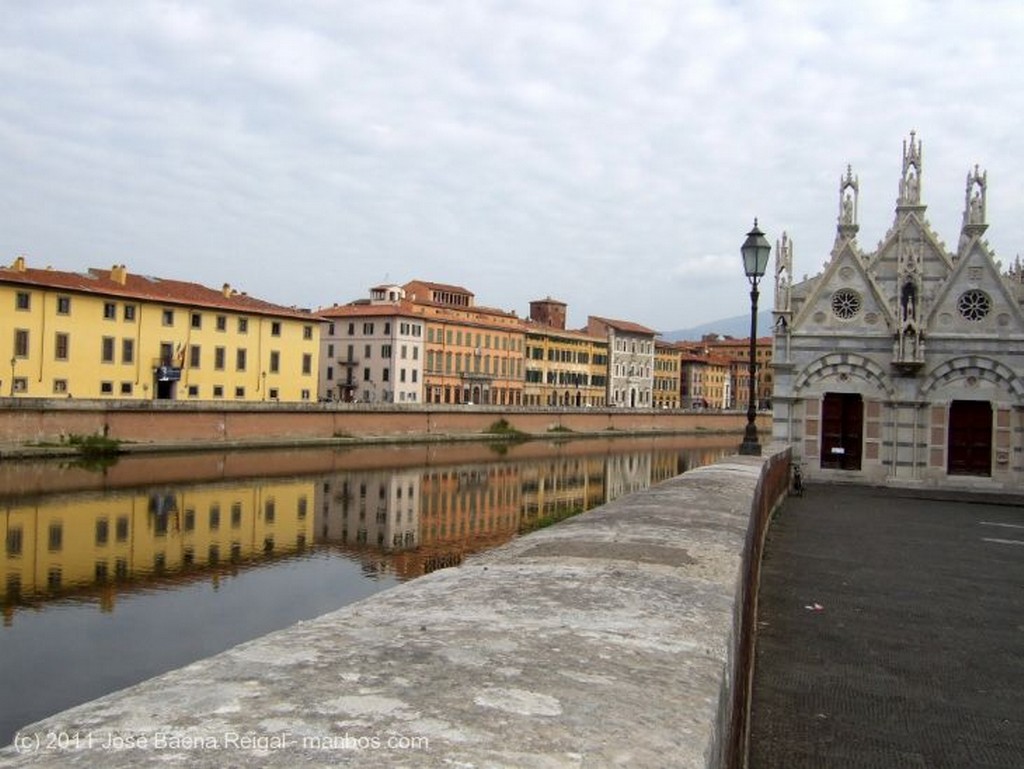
755, 250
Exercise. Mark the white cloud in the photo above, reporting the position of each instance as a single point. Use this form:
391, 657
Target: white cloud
612, 155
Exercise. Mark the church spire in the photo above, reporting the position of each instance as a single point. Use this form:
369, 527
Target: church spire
910, 181
849, 193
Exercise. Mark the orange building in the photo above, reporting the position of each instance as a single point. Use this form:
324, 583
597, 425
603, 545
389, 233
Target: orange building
472, 354
737, 352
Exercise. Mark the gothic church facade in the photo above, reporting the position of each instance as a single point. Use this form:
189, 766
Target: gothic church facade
904, 364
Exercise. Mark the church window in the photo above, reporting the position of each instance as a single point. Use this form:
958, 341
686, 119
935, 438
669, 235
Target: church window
845, 303
974, 304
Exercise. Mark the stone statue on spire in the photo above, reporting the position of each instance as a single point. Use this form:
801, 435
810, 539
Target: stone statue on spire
910, 182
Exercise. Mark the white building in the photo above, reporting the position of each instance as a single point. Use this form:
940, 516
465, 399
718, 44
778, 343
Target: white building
903, 364
372, 351
630, 361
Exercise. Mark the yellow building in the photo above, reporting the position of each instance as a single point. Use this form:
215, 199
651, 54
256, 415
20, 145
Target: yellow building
705, 379
737, 352
472, 354
110, 334
95, 546
563, 367
667, 361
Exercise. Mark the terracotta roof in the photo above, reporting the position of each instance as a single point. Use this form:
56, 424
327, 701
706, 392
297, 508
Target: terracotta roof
532, 327
363, 310
146, 288
624, 325
440, 286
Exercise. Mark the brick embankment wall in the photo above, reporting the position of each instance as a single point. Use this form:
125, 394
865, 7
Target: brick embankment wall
26, 421
620, 637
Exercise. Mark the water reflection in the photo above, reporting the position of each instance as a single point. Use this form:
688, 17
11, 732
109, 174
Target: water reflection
396, 511
187, 555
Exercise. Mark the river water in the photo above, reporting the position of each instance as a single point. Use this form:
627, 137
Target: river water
114, 574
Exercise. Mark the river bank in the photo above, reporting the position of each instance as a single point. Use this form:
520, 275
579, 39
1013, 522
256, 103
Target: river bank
41, 428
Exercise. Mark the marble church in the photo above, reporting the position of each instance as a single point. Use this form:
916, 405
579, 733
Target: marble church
904, 364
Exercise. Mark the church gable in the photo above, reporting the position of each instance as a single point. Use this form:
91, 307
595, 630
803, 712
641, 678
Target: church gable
845, 300
975, 299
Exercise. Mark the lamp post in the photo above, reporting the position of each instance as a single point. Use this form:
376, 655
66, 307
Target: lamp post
755, 250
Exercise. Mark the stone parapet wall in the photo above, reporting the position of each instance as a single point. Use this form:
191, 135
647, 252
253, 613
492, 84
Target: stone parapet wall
620, 637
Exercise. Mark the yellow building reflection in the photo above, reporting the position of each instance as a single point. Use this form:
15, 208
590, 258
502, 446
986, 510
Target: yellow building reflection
99, 545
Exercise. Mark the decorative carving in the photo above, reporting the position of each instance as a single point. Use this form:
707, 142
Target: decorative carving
910, 181
975, 197
849, 192
783, 274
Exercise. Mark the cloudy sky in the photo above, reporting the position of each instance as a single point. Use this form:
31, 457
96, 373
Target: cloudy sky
610, 154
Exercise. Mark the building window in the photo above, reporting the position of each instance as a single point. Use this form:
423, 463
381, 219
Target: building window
386, 375
273, 394
60, 346
304, 395
60, 386
129, 312
240, 355
307, 363
127, 350
23, 300
974, 305
218, 391
222, 323
14, 540
351, 329
366, 375
275, 361
106, 388
126, 388
109, 311
20, 343
168, 317
63, 305
239, 392
330, 373
385, 351
194, 355
846, 304
121, 529
102, 531
218, 358
307, 332
107, 349
367, 328
243, 325
275, 328
193, 391
196, 320
20, 384
56, 540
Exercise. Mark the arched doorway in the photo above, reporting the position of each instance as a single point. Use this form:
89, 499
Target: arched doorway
970, 438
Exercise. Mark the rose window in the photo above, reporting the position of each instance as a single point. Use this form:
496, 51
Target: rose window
974, 304
845, 303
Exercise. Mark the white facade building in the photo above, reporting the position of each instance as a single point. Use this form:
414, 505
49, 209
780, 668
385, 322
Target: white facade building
630, 361
904, 364
372, 351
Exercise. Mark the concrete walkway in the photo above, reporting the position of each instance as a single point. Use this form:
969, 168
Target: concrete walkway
891, 633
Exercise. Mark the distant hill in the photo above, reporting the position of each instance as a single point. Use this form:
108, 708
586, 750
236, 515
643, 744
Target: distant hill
738, 326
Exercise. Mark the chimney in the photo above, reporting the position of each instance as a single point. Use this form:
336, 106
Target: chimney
119, 274
226, 290
19, 264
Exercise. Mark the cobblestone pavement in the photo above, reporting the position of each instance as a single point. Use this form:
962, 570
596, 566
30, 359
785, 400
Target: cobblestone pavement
891, 633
